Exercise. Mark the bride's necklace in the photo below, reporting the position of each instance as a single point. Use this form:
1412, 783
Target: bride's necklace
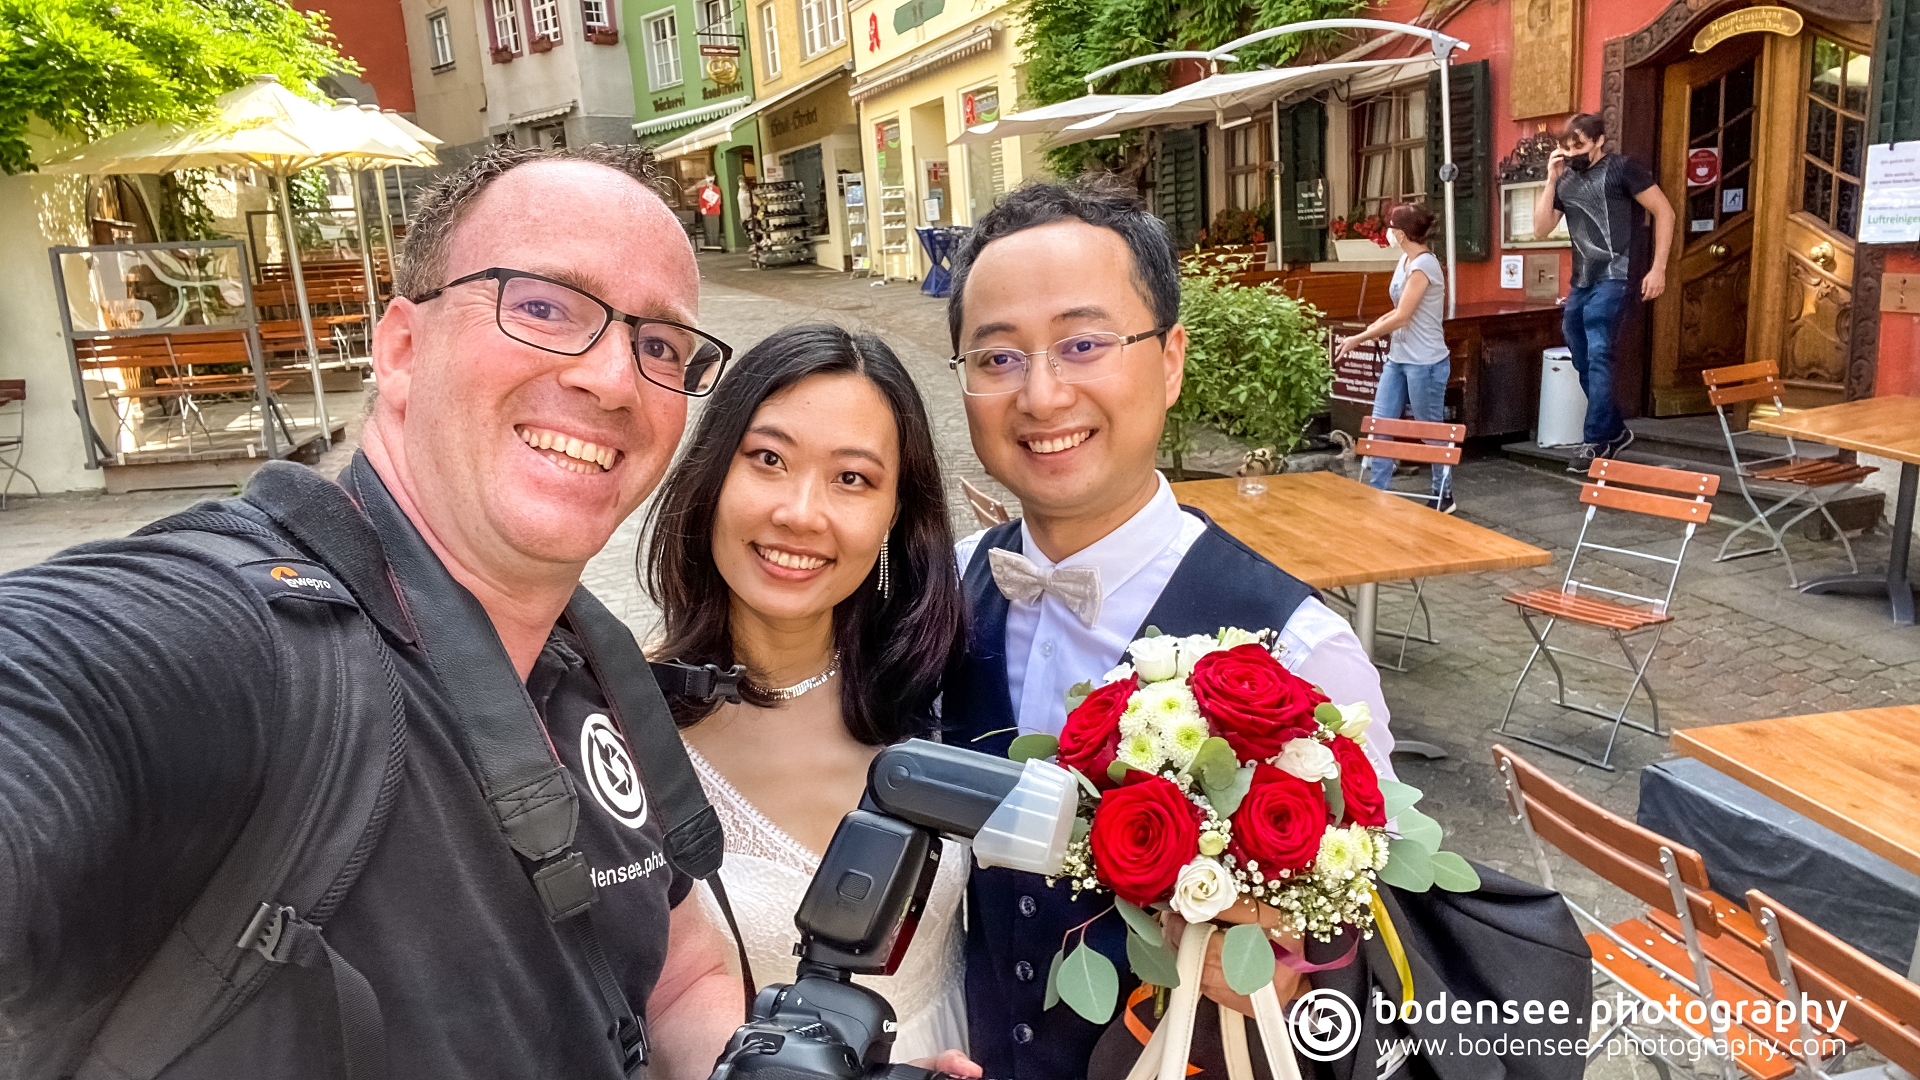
788, 693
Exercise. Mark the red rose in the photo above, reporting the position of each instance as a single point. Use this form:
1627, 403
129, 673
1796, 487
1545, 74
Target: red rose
1255, 704
1091, 738
1142, 835
1359, 784
1280, 822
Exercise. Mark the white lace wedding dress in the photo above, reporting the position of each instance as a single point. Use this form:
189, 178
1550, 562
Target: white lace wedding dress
766, 875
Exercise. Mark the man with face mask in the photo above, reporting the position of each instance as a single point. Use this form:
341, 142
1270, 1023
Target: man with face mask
1597, 190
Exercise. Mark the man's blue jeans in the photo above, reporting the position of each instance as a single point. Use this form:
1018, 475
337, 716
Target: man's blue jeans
1590, 322
1423, 386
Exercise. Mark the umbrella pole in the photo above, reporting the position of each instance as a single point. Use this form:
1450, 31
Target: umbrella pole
306, 312
386, 231
366, 252
1448, 172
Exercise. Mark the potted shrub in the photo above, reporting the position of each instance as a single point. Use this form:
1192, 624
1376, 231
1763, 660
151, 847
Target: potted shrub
1257, 365
1360, 240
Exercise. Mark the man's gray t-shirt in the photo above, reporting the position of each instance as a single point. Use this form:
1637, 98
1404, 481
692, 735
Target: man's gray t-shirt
1600, 215
1423, 340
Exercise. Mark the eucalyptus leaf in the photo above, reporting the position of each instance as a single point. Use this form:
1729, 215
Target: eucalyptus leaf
1227, 800
1053, 981
1078, 693
1035, 745
1453, 873
1329, 714
1089, 984
1398, 796
1151, 631
1141, 922
1215, 764
1153, 963
1117, 771
1420, 829
1084, 782
1246, 959
1408, 867
1081, 827
1336, 799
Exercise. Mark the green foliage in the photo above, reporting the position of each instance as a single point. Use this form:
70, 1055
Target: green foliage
1246, 958
184, 213
88, 67
1089, 984
1154, 964
1034, 745
1233, 225
1257, 364
1063, 40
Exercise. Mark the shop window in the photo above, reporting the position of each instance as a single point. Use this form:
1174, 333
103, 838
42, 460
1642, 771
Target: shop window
440, 34
506, 26
886, 145
1835, 140
549, 136
1250, 165
546, 20
1390, 151
770, 39
1720, 119
822, 25
663, 51
986, 165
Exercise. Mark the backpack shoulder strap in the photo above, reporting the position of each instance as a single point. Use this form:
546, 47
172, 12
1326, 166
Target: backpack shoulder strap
325, 797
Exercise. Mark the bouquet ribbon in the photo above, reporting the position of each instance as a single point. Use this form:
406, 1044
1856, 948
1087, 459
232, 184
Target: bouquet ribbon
1390, 938
1303, 966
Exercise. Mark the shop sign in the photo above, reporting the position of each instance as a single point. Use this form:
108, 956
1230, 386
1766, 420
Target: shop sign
707, 49
1356, 376
873, 31
980, 107
1310, 204
916, 13
1765, 19
724, 71
1703, 167
1890, 206
668, 104
798, 118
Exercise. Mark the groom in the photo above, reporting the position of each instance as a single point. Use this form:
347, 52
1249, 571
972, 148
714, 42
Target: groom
1065, 321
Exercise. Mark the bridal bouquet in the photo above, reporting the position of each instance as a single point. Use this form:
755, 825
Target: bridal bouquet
1212, 775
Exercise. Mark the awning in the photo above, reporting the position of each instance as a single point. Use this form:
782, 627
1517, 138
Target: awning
975, 41
688, 118
1046, 118
721, 130
1242, 93
542, 114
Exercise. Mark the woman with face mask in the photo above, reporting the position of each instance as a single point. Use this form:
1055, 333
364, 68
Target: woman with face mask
803, 535
1417, 365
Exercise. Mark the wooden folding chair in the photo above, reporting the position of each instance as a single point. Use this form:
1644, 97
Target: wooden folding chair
13, 435
1573, 601
1691, 944
1881, 1006
1818, 480
1437, 445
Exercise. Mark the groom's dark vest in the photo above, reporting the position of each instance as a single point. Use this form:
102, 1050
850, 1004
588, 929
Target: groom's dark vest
1015, 923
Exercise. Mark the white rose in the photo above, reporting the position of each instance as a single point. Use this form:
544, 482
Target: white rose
1354, 720
1155, 658
1203, 890
1192, 649
1117, 674
1231, 636
1308, 759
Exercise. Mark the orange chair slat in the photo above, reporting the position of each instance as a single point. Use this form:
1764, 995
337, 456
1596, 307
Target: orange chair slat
1743, 957
1876, 1027
1617, 962
1646, 502
1407, 451
1669, 950
1629, 874
1866, 975
1816, 473
1632, 839
1739, 373
1582, 609
1412, 429
1653, 476
1765, 388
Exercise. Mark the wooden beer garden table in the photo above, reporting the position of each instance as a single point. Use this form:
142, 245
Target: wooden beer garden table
1330, 531
1887, 427
1856, 772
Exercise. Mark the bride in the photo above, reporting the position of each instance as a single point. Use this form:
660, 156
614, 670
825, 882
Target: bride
804, 534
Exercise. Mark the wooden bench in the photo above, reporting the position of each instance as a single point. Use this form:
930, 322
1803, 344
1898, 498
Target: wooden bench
180, 351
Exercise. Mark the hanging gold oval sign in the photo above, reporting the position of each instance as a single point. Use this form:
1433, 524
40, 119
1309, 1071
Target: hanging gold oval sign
1768, 19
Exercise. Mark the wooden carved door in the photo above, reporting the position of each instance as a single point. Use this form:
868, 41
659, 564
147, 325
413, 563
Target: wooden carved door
1707, 171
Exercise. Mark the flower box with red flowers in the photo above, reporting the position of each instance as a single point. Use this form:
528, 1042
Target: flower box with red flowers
541, 44
603, 35
502, 55
1222, 788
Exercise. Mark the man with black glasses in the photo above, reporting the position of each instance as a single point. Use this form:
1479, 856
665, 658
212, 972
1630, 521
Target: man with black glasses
388, 701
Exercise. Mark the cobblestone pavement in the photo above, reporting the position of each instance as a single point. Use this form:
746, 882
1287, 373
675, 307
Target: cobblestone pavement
1742, 646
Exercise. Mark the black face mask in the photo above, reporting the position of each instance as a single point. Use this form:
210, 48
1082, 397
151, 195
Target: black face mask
1580, 164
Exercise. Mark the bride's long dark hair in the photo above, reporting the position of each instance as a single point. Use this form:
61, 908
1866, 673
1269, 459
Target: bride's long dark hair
893, 652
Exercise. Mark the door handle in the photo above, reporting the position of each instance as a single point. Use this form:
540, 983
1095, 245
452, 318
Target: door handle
1716, 250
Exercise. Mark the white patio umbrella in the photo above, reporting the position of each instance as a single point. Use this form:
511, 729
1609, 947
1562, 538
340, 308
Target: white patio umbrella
427, 159
1221, 97
261, 125
397, 145
1046, 119
420, 135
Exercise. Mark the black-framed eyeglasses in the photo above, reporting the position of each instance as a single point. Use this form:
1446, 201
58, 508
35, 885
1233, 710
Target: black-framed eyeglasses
556, 317
1078, 359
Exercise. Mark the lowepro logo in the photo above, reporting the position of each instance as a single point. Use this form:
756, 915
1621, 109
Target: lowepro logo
294, 579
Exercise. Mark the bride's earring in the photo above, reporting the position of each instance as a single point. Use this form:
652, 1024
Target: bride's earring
886, 583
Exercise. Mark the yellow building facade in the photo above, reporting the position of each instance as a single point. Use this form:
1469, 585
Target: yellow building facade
924, 71
802, 52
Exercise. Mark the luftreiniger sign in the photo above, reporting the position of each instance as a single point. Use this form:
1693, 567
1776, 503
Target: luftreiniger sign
1765, 19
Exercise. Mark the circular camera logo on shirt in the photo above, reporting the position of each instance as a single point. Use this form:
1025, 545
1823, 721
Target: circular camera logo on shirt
611, 777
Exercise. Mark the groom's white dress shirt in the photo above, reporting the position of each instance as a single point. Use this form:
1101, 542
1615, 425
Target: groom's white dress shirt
1049, 648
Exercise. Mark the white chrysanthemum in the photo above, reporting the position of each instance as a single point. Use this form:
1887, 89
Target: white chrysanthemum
1180, 739
1308, 759
1118, 674
1344, 853
1231, 636
1354, 720
1156, 659
1192, 649
1140, 751
1165, 704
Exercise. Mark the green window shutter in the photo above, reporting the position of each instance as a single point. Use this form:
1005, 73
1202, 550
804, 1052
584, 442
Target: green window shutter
1179, 186
1303, 159
1896, 83
1472, 94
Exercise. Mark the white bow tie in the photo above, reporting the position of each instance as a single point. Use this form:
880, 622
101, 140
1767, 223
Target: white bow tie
1078, 587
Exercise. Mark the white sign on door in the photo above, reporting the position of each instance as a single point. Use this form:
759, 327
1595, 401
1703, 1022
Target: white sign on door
1890, 207
1513, 273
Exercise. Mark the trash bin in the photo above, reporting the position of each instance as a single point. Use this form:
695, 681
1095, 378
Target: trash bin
1563, 405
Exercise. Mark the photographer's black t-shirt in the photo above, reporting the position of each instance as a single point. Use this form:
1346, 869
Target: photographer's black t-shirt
138, 692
